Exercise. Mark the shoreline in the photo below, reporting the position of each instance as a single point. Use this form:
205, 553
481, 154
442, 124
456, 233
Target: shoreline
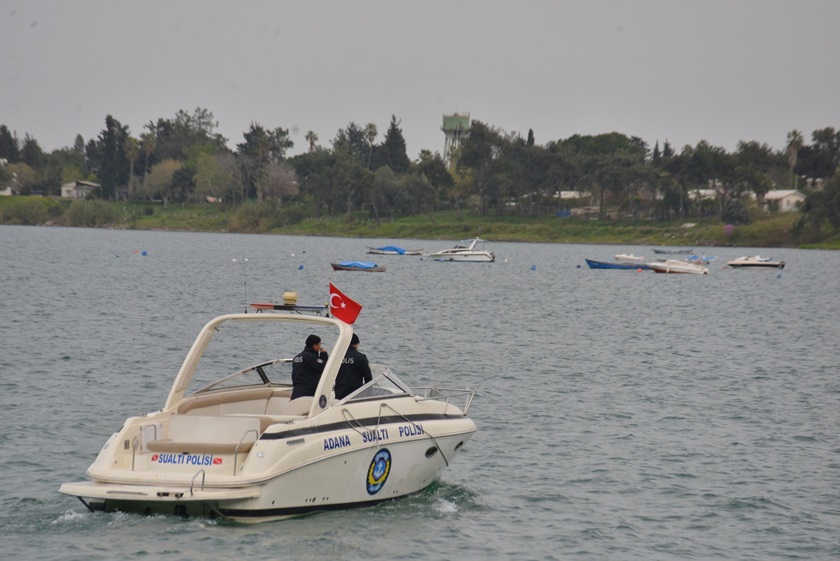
777, 230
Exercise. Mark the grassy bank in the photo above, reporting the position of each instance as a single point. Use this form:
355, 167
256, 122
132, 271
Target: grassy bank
766, 231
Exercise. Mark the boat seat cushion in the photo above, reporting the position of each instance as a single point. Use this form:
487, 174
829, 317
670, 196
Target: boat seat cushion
207, 434
283, 406
249, 401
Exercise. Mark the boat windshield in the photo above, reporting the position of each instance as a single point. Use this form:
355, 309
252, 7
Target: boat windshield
245, 354
384, 384
275, 372
470, 244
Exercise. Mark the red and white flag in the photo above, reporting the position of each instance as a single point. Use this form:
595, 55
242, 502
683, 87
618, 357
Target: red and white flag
342, 307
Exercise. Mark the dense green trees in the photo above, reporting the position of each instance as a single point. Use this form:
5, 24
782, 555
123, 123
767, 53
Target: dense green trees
363, 173
822, 208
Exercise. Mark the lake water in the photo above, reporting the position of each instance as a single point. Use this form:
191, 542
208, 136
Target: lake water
621, 414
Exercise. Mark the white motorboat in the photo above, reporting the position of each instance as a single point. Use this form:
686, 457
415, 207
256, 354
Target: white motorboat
468, 251
238, 448
677, 266
756, 262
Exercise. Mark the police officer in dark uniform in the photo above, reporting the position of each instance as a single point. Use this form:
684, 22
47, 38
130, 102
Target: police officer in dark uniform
307, 368
354, 371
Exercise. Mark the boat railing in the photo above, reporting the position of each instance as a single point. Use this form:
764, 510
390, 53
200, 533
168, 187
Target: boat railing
409, 421
447, 395
203, 475
241, 441
137, 442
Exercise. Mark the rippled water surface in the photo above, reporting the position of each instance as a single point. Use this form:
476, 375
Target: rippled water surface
621, 415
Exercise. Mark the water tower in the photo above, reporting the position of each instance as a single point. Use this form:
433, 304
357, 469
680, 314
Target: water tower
455, 126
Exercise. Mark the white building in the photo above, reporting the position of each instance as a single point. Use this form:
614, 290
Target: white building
8, 189
702, 194
78, 189
786, 199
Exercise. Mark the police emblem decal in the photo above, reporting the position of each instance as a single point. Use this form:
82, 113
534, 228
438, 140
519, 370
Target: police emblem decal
380, 467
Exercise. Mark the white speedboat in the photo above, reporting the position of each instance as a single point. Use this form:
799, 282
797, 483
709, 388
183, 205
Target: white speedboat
470, 251
238, 448
756, 262
677, 266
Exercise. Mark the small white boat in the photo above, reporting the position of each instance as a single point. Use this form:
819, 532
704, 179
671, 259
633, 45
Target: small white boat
468, 251
239, 448
673, 251
393, 250
629, 258
756, 262
677, 266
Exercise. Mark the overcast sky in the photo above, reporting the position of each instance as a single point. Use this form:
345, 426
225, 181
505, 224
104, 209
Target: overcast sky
681, 71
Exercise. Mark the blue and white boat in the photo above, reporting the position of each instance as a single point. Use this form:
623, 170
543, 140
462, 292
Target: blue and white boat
393, 250
368, 266
616, 264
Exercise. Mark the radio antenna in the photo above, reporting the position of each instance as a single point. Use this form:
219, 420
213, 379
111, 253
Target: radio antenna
244, 280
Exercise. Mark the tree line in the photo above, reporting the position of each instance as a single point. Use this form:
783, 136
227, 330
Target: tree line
363, 173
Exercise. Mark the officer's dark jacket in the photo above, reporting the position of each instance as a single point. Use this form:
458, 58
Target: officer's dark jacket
306, 372
353, 373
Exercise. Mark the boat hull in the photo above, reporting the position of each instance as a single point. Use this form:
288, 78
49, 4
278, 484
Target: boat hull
355, 454
674, 251
379, 251
758, 266
340, 267
593, 264
344, 479
464, 258
678, 268
756, 262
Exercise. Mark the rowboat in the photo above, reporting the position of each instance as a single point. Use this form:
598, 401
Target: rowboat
367, 266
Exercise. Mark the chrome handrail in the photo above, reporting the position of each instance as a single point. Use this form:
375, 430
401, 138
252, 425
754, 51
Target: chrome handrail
192, 483
241, 440
445, 394
135, 443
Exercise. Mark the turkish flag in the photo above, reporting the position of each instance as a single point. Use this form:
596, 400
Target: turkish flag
342, 307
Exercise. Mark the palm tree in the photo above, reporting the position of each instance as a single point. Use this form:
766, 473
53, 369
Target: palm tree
794, 143
149, 141
370, 133
132, 150
311, 138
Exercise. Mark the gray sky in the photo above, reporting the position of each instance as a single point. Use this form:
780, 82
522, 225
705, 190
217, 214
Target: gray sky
681, 71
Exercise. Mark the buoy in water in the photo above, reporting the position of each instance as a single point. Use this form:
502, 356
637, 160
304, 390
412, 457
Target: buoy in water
300, 267
533, 267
